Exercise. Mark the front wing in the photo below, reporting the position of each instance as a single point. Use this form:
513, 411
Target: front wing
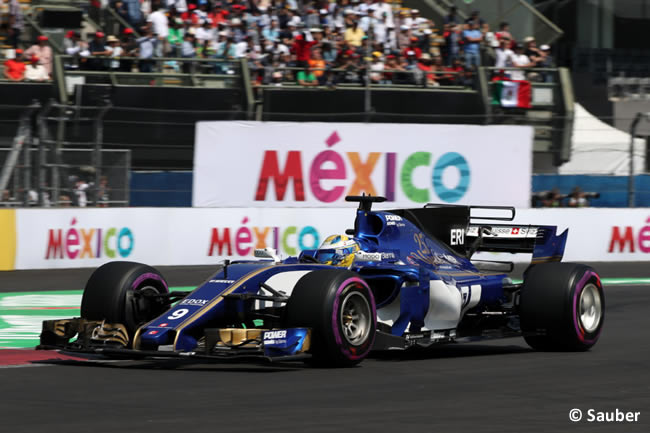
78, 335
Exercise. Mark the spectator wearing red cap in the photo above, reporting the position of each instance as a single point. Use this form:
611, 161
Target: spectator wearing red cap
43, 51
35, 71
14, 69
130, 46
352, 72
75, 47
393, 66
218, 15
98, 47
189, 14
413, 46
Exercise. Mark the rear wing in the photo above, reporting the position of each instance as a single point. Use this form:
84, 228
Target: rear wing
502, 236
542, 241
468, 229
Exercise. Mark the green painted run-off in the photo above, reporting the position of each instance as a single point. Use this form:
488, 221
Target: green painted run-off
22, 313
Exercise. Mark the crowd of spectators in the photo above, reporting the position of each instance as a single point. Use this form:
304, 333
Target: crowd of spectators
77, 192
312, 42
554, 198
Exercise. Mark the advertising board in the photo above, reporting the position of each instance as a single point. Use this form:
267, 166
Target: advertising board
73, 238
285, 164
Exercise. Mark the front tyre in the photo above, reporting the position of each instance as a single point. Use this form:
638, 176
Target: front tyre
340, 309
112, 291
562, 307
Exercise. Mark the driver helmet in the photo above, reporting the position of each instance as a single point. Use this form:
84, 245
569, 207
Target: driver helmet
338, 250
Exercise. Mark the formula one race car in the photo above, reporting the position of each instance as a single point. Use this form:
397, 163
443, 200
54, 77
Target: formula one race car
399, 279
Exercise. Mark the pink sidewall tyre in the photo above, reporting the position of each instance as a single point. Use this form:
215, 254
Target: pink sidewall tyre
562, 307
340, 309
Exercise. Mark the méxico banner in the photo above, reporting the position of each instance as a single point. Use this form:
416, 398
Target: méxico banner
75, 238
286, 164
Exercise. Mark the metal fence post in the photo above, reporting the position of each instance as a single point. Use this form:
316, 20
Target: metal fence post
58, 162
631, 202
42, 156
97, 153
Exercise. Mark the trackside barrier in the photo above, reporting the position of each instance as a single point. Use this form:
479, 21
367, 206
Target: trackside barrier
72, 238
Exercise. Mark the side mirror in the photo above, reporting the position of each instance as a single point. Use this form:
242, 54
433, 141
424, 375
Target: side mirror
267, 253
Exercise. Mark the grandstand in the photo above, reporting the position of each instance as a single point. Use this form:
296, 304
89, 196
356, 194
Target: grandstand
401, 70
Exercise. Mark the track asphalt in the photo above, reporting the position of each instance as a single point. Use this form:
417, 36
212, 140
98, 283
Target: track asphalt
481, 387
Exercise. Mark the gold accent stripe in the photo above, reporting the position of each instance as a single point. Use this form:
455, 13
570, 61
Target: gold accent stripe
218, 299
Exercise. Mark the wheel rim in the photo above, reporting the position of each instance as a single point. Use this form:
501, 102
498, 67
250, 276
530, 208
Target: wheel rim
355, 318
591, 310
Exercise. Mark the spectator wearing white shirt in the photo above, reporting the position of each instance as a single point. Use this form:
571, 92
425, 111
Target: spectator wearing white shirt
364, 21
520, 60
43, 51
179, 5
365, 6
115, 51
377, 69
405, 18
147, 45
205, 32
404, 36
80, 192
160, 26
34, 71
241, 48
159, 22
504, 54
391, 39
379, 29
381, 9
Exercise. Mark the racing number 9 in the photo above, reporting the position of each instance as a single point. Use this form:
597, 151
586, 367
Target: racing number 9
178, 314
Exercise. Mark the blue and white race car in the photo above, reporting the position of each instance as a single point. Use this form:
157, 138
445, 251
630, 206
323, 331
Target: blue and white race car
401, 278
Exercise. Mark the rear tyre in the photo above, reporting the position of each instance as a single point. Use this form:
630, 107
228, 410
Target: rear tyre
340, 309
562, 307
109, 294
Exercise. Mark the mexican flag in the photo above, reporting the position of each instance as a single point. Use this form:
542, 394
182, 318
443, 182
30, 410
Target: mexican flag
511, 94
